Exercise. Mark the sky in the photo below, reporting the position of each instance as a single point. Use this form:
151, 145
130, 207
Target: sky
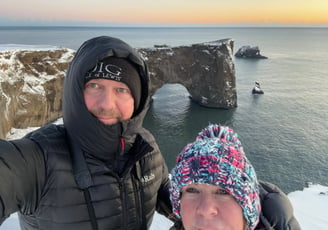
163, 12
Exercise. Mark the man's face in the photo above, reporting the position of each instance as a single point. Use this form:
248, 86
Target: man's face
109, 101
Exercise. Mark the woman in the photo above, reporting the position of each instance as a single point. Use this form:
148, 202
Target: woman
214, 187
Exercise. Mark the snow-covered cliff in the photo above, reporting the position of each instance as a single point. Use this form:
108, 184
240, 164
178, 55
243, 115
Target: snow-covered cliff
30, 86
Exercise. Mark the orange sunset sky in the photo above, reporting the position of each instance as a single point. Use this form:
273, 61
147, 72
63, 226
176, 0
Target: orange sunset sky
166, 12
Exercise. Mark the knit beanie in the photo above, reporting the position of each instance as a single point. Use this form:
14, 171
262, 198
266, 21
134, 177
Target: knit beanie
121, 70
217, 157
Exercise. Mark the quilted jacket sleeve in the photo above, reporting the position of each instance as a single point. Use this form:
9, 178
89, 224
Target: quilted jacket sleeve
22, 173
163, 203
277, 208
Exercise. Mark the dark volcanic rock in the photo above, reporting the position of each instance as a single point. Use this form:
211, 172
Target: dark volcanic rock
249, 52
206, 70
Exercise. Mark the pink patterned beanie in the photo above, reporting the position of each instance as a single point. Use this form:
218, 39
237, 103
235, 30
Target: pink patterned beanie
217, 157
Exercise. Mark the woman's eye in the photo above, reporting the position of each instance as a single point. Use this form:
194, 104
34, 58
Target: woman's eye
222, 192
192, 190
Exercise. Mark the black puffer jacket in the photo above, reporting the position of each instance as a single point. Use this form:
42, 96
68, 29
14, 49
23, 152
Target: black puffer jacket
86, 175
277, 211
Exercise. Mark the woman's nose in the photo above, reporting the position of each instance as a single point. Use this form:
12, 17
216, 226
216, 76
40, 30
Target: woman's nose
207, 206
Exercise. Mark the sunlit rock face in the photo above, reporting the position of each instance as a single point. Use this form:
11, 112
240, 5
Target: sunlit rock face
31, 84
31, 81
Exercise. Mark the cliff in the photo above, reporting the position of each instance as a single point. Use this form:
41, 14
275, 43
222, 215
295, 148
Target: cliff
206, 70
31, 81
31, 85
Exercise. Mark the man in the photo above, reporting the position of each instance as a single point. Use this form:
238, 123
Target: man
100, 169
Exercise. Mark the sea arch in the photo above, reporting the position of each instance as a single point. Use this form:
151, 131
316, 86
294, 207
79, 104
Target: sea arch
206, 70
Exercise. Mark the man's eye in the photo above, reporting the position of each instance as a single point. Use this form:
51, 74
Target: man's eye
123, 90
93, 85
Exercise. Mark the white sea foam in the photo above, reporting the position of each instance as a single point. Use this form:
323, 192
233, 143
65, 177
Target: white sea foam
5, 47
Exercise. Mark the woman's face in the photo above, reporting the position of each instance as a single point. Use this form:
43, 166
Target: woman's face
209, 207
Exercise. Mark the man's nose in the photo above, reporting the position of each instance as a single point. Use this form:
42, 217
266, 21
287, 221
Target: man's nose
107, 99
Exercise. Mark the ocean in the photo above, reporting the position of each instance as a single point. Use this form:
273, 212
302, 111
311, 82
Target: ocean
283, 131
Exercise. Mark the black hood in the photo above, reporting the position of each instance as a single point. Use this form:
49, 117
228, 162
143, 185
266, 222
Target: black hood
87, 133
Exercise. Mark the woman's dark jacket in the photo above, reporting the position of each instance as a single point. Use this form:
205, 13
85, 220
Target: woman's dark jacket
84, 174
277, 211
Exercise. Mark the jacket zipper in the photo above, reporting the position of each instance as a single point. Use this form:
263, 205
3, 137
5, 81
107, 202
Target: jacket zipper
124, 205
122, 189
138, 194
140, 212
122, 145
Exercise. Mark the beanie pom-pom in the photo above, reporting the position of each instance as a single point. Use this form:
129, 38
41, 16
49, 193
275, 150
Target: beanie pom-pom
224, 133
